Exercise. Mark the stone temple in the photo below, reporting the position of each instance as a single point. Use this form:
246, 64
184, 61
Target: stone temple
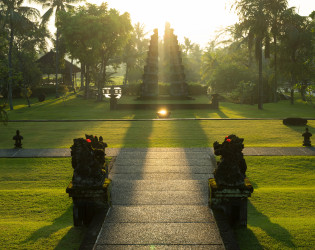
173, 69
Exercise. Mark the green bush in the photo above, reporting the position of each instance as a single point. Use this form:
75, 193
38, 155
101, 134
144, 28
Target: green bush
45, 89
131, 89
197, 89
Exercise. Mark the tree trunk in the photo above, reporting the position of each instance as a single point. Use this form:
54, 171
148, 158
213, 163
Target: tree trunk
275, 87
303, 91
260, 80
26, 96
87, 81
10, 68
82, 75
57, 62
71, 77
292, 88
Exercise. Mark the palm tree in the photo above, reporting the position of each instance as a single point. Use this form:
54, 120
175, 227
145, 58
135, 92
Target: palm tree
15, 18
254, 19
54, 7
276, 8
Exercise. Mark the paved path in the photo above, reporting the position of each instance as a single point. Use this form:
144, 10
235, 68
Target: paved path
160, 200
65, 152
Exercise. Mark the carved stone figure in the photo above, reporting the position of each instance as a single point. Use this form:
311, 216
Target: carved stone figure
18, 140
231, 169
88, 161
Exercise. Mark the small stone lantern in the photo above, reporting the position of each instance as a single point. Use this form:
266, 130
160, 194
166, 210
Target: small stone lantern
18, 140
307, 135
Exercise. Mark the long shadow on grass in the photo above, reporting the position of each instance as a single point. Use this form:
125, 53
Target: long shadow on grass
221, 114
300, 129
63, 221
275, 231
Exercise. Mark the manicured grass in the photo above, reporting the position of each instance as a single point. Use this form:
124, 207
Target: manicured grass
79, 108
268, 133
35, 211
281, 211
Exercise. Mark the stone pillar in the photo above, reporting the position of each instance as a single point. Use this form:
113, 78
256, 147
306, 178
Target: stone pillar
150, 87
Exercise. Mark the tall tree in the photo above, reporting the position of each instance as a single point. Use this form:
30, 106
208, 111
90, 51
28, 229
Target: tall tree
53, 8
15, 18
95, 35
254, 23
135, 53
276, 8
297, 47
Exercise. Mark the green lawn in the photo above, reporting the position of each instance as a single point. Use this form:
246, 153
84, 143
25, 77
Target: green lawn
268, 133
79, 108
281, 211
35, 211
191, 133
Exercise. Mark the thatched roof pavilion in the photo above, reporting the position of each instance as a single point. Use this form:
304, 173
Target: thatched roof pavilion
47, 64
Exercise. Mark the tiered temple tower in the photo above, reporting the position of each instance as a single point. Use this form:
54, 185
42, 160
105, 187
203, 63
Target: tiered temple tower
178, 86
150, 87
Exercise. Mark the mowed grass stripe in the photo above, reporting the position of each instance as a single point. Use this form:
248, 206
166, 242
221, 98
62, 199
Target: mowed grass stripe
155, 133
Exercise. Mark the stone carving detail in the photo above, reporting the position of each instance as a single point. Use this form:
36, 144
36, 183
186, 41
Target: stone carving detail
88, 161
231, 168
150, 85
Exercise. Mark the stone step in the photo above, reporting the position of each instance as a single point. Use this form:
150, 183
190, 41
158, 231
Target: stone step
159, 197
159, 185
159, 214
160, 176
162, 169
158, 233
165, 155
160, 247
162, 162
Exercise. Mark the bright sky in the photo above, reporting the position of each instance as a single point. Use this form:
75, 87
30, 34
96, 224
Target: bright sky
198, 20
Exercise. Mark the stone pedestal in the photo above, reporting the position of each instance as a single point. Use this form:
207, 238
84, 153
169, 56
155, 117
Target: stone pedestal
113, 102
232, 201
87, 201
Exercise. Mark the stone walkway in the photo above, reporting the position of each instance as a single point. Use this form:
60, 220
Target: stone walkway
65, 152
159, 199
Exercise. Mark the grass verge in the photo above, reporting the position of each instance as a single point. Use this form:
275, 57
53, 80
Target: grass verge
281, 211
78, 108
35, 211
189, 133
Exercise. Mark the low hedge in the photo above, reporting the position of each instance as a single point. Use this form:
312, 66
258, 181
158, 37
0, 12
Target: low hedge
295, 121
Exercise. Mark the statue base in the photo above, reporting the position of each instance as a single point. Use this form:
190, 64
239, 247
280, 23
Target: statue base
232, 201
88, 200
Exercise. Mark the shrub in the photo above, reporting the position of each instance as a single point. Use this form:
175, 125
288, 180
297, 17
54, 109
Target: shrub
45, 89
295, 121
197, 89
41, 97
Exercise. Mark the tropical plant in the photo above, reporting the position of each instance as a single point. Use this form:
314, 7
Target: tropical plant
15, 19
53, 8
254, 25
95, 35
